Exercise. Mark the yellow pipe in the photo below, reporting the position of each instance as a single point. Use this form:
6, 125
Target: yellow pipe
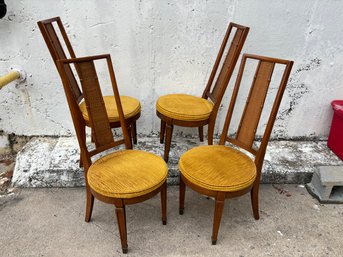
8, 78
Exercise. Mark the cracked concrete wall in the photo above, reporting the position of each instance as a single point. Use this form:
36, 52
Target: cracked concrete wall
160, 47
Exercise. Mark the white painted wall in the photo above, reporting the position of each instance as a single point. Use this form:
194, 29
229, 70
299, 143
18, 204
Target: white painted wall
161, 47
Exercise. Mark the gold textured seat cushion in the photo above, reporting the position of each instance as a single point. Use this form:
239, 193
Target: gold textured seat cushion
184, 107
131, 107
218, 168
127, 174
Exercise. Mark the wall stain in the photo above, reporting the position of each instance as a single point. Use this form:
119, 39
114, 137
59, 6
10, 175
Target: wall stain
295, 91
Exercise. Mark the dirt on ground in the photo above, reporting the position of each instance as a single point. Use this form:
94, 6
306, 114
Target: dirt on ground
6, 172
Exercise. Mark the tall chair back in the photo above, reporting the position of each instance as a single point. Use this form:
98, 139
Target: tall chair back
102, 133
246, 132
52, 40
215, 89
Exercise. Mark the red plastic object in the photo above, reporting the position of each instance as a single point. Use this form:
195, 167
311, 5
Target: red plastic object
335, 141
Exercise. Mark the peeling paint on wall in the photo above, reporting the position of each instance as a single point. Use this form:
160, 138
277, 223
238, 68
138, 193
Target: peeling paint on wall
296, 89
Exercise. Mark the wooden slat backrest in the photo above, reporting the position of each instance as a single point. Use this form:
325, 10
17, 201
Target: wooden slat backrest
56, 50
255, 102
103, 136
100, 124
246, 132
215, 90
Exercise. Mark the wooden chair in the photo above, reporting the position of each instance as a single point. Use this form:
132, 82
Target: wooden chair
221, 171
122, 177
191, 111
131, 106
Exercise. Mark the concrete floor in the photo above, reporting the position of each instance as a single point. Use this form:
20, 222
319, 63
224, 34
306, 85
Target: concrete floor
49, 222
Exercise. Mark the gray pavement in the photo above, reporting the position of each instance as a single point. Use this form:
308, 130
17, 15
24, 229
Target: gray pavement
49, 222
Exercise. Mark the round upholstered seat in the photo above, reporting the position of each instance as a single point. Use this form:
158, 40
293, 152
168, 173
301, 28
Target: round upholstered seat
127, 174
184, 107
131, 106
218, 168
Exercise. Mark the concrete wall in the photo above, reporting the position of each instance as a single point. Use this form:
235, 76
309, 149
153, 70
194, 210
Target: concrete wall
160, 47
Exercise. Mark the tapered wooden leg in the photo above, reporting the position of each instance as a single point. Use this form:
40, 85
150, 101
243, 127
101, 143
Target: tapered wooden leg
210, 132
134, 132
130, 133
254, 200
201, 134
182, 193
162, 131
89, 204
218, 211
121, 218
164, 203
169, 132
